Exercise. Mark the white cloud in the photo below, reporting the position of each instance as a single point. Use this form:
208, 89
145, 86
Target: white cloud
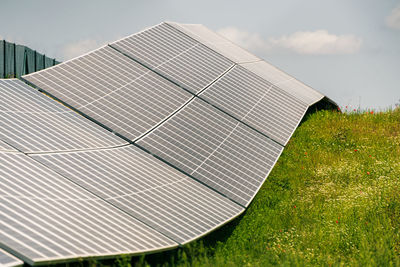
318, 42
393, 20
251, 41
79, 48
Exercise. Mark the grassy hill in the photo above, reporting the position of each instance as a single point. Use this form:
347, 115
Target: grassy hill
332, 199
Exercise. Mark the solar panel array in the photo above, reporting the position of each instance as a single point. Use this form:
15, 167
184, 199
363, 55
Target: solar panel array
206, 121
123, 177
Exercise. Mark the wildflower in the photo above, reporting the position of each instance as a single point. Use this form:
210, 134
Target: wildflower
305, 153
337, 221
368, 173
355, 150
372, 112
346, 106
294, 206
354, 109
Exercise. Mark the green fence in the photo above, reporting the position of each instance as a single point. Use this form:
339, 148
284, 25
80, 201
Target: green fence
17, 60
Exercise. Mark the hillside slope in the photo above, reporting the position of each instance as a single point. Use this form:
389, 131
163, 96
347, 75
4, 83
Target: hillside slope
332, 199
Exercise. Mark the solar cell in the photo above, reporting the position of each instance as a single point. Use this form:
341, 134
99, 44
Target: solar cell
148, 189
255, 101
112, 89
45, 218
33, 122
175, 55
215, 149
284, 81
8, 260
215, 42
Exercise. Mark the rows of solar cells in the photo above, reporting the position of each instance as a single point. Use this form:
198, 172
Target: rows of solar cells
141, 145
216, 149
98, 196
47, 218
34, 123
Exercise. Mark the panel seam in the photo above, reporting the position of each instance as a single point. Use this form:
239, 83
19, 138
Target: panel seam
75, 150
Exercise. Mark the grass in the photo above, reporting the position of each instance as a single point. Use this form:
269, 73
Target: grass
333, 199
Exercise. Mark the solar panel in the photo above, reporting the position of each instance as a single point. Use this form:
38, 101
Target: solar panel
45, 218
148, 189
284, 82
32, 122
257, 102
112, 89
215, 42
215, 149
176, 56
8, 260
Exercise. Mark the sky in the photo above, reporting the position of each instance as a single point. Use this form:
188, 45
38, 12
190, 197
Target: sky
348, 50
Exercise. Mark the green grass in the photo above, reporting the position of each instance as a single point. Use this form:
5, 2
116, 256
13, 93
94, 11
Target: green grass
333, 199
